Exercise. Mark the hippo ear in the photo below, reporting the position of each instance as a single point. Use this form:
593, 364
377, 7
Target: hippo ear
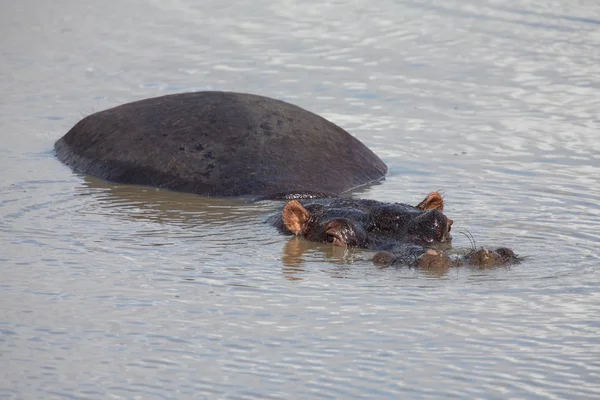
295, 217
433, 201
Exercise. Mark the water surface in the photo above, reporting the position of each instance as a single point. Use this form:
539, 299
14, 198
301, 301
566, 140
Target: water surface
114, 291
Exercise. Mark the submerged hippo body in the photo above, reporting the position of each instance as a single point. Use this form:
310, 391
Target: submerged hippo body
219, 144
403, 234
231, 144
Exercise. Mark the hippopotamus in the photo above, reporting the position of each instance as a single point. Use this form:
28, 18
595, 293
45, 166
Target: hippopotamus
220, 144
401, 233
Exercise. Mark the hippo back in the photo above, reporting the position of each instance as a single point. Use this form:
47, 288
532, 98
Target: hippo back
219, 144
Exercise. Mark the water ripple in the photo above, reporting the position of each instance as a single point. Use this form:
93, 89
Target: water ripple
130, 292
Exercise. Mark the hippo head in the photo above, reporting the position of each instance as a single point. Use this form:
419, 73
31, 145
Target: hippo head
368, 224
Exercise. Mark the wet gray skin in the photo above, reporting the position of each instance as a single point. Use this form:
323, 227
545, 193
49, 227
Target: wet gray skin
219, 144
403, 234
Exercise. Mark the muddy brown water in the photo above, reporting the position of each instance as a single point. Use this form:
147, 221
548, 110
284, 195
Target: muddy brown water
113, 291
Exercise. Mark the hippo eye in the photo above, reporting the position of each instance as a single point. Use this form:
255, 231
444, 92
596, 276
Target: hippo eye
333, 239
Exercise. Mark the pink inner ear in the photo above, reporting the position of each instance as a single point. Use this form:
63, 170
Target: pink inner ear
433, 201
295, 217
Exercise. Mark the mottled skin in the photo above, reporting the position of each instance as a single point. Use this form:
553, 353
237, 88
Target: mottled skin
403, 234
219, 144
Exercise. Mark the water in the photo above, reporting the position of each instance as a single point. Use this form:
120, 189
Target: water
112, 291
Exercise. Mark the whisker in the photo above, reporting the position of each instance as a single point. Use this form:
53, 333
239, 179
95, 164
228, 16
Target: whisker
471, 239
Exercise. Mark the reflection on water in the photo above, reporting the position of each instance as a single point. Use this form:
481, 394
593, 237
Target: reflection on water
298, 253
131, 292
164, 206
